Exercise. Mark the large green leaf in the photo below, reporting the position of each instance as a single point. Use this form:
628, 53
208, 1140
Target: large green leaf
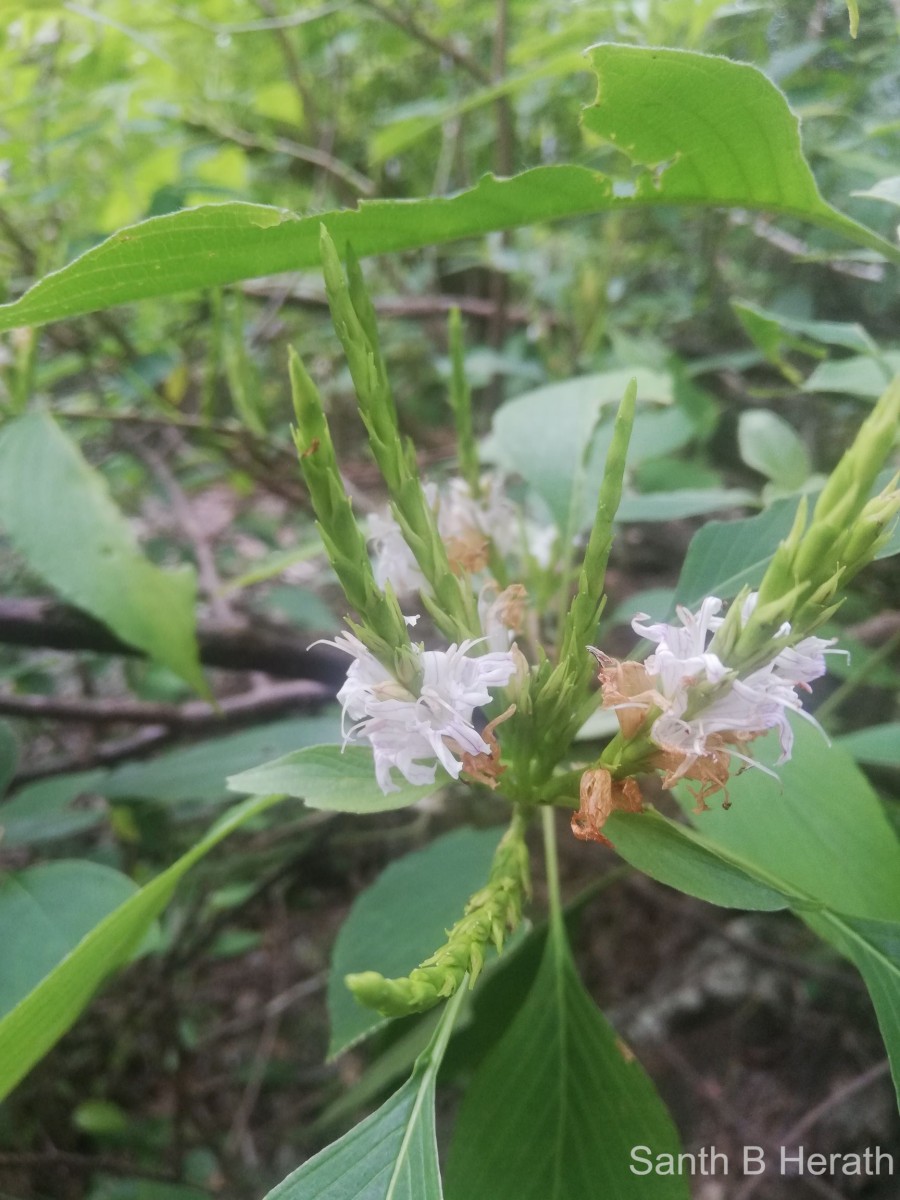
342, 780
557, 1106
59, 514
874, 948
39, 1019
725, 555
563, 458
387, 933
45, 911
878, 746
680, 858
823, 834
703, 130
392, 1155
818, 827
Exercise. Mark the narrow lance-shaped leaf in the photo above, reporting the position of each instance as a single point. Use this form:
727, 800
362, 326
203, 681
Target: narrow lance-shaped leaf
40, 1019
708, 131
392, 1155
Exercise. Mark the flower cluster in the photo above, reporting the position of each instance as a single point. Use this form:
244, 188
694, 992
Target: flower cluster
705, 711
435, 725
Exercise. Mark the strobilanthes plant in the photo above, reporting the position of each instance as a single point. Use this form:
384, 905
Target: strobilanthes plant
492, 705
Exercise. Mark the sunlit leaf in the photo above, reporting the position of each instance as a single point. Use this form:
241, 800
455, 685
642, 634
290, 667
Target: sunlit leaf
704, 130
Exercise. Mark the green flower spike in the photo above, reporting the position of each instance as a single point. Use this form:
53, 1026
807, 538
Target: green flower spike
561, 693
453, 603
383, 628
816, 560
489, 914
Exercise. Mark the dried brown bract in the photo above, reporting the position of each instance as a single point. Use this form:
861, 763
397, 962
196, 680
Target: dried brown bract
601, 795
487, 768
628, 689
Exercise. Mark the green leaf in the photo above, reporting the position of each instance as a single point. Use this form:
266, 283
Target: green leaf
685, 502
809, 826
704, 130
832, 846
50, 809
45, 911
332, 778
41, 1018
392, 1155
887, 190
725, 555
878, 746
563, 459
773, 333
58, 512
384, 932
769, 445
707, 130
857, 376
9, 756
197, 772
556, 1107
44, 811
853, 15
680, 858
874, 948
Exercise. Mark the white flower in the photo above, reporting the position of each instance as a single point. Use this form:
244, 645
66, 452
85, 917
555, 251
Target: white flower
393, 559
750, 705
403, 729
466, 524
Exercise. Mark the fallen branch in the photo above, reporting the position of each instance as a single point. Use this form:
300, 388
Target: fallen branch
194, 716
234, 647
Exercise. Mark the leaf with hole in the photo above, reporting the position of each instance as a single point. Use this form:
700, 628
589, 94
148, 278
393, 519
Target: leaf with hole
701, 130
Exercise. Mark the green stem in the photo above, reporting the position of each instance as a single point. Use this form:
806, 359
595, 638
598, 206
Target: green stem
856, 678
548, 820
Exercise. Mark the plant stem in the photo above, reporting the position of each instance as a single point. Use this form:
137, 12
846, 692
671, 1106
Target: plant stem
856, 678
554, 898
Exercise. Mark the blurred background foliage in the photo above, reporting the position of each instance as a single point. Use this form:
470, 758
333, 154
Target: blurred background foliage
201, 1073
